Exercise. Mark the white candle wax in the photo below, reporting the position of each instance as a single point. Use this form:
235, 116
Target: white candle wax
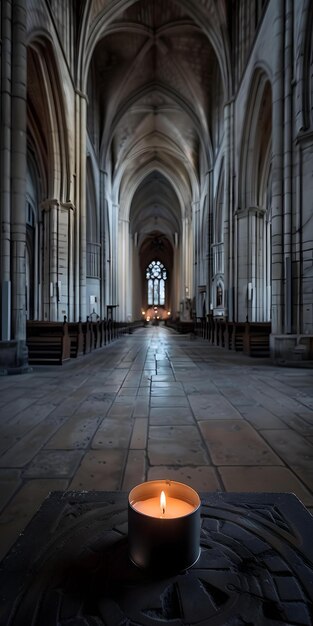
174, 507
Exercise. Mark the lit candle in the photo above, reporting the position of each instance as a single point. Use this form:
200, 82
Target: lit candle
163, 525
163, 507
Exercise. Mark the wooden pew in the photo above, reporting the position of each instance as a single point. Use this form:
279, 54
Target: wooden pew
256, 339
76, 334
87, 343
237, 336
48, 342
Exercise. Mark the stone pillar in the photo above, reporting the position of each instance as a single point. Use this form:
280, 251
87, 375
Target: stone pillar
5, 171
197, 250
228, 220
18, 165
103, 249
115, 270
277, 170
210, 199
53, 264
50, 258
288, 74
81, 233
175, 279
124, 273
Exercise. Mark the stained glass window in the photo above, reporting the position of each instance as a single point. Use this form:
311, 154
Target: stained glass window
156, 276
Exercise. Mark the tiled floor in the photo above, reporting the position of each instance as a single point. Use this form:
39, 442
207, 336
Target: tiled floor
153, 405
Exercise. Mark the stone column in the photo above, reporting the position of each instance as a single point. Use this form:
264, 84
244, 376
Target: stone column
197, 243
124, 273
53, 264
210, 198
115, 270
175, 279
277, 170
228, 221
18, 165
103, 251
81, 117
5, 171
288, 74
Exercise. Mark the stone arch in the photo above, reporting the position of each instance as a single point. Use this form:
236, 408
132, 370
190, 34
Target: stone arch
210, 18
177, 99
33, 236
46, 120
47, 117
255, 140
218, 218
254, 226
304, 69
217, 285
94, 270
92, 213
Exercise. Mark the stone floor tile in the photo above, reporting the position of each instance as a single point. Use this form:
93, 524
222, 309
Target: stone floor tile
201, 478
121, 411
139, 434
261, 418
100, 470
132, 379
170, 416
166, 392
111, 384
144, 391
22, 507
173, 386
141, 407
180, 445
161, 401
95, 406
199, 386
53, 464
234, 442
130, 392
236, 397
124, 399
295, 450
135, 470
212, 406
107, 390
10, 480
112, 434
77, 432
162, 377
297, 423
259, 479
15, 406
25, 449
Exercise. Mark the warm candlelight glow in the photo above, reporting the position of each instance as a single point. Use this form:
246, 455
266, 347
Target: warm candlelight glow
163, 525
163, 502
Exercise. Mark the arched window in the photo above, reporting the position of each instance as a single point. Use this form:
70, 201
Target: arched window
156, 276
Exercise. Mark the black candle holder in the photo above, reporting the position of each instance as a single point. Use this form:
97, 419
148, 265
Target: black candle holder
163, 544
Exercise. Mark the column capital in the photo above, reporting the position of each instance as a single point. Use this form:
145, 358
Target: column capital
47, 204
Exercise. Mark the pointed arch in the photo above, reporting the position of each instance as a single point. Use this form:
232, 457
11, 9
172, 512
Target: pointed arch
47, 117
254, 265
256, 140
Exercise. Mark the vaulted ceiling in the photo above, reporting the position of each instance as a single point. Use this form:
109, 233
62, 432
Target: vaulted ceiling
156, 83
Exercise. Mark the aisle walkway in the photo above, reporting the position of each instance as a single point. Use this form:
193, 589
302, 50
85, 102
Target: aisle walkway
152, 405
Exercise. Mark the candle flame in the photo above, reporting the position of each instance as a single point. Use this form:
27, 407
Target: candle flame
162, 502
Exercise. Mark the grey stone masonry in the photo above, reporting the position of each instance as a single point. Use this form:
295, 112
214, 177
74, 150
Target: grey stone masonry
217, 420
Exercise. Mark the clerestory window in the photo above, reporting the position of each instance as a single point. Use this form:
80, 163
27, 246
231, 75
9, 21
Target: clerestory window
156, 276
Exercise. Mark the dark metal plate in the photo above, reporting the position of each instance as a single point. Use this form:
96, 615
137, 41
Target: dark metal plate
71, 567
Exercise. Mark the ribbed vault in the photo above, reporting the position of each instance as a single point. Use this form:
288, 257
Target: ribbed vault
155, 83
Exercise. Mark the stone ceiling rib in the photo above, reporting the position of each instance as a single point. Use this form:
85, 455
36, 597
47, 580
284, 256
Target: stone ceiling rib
154, 63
